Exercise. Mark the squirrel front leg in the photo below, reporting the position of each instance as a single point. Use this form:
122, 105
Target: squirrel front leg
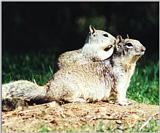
123, 86
121, 93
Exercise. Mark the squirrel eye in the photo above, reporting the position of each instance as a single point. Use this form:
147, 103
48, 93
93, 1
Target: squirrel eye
129, 45
105, 35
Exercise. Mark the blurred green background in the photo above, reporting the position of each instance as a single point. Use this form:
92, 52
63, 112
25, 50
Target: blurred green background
35, 33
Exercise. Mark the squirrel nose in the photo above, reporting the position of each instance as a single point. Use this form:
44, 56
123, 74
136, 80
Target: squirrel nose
143, 49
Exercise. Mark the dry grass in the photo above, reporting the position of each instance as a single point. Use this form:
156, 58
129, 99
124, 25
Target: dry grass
99, 116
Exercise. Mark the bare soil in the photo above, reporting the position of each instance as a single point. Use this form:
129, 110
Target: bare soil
98, 116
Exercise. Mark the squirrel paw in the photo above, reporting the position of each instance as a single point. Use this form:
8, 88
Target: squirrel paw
124, 102
79, 100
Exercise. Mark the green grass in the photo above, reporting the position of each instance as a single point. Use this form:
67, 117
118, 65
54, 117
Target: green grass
152, 126
144, 85
44, 129
34, 67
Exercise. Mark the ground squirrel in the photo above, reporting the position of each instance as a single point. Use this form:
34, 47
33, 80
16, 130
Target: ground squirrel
98, 46
93, 81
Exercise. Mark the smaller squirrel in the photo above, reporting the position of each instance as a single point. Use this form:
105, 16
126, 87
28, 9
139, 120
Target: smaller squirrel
98, 46
127, 53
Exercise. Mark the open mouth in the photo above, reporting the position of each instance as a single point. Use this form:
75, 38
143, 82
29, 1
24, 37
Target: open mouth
108, 48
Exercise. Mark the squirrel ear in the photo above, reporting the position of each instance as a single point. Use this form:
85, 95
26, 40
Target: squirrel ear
91, 29
119, 38
127, 36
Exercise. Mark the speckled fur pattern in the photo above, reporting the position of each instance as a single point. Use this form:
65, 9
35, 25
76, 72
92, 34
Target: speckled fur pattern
87, 83
22, 89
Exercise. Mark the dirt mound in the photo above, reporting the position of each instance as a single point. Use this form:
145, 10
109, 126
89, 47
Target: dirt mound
98, 116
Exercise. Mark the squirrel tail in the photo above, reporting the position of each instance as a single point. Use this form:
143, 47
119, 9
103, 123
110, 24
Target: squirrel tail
22, 91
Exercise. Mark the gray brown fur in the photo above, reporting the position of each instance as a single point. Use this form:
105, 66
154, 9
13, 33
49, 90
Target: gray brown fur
94, 81
90, 82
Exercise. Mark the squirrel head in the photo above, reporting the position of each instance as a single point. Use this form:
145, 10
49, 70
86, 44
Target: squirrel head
99, 43
129, 48
99, 38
